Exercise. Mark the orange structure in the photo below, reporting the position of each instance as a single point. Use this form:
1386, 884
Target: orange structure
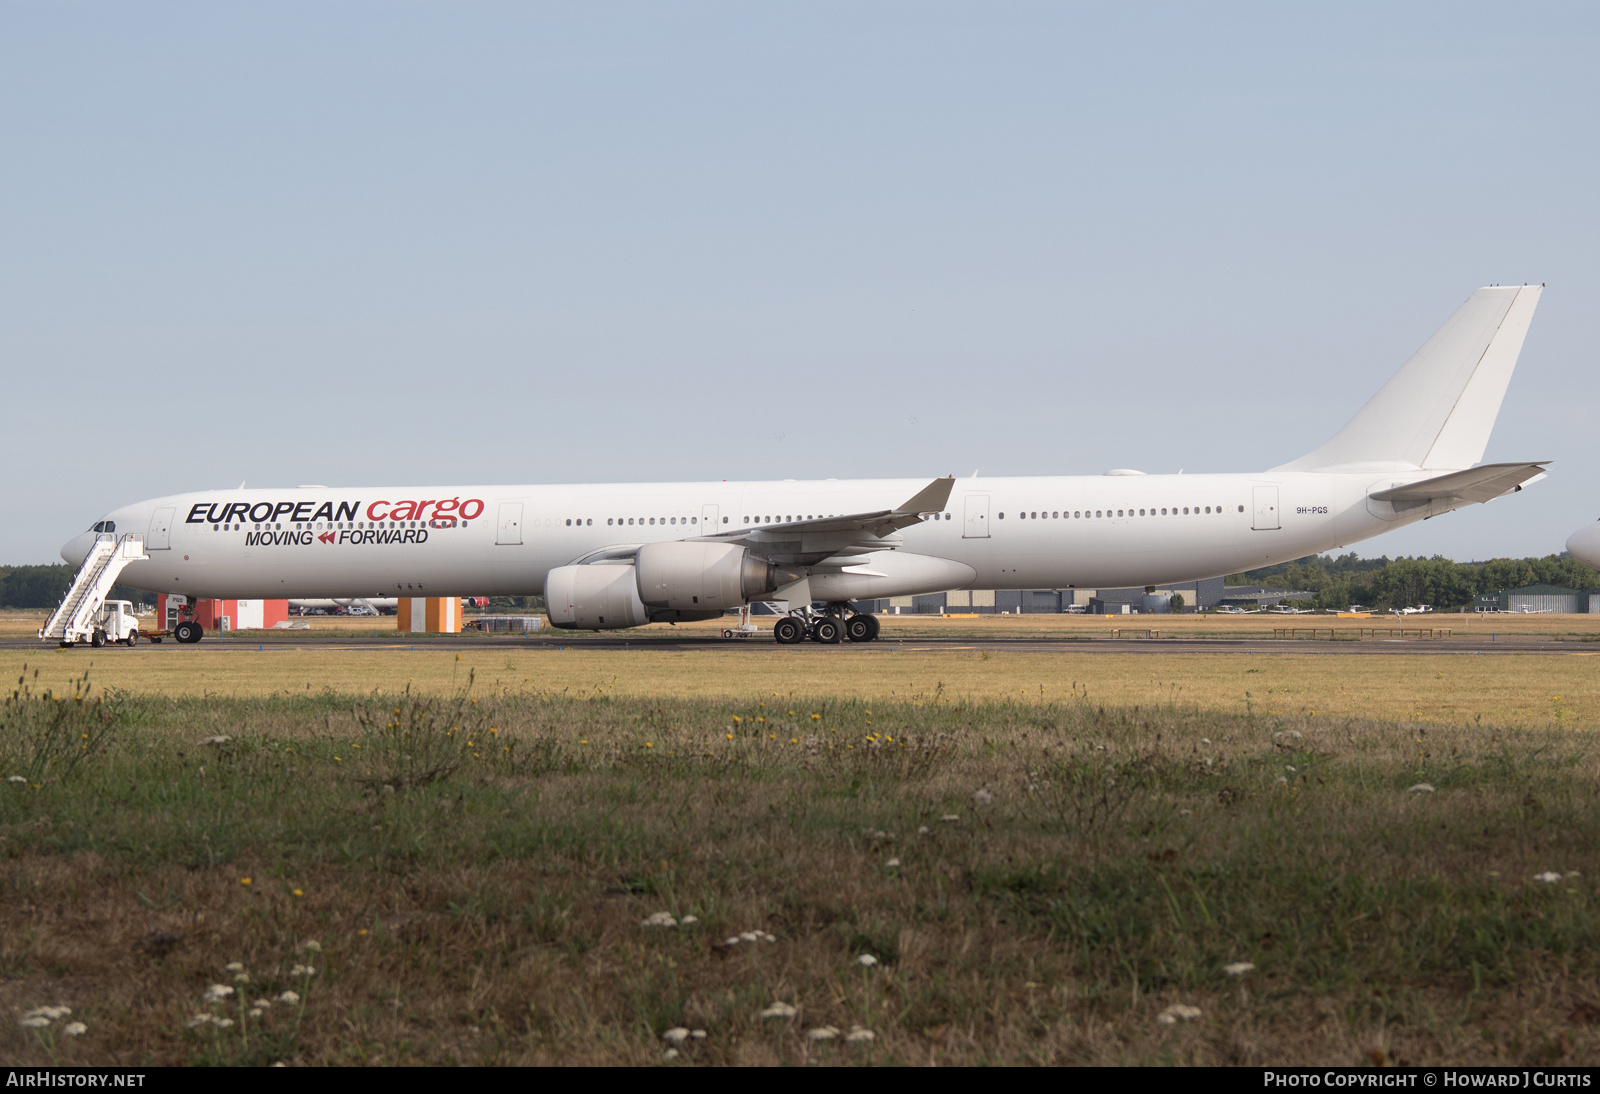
430, 614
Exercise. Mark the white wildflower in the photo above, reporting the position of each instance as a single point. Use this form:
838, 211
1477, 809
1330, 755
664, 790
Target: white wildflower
749, 936
1573, 873
37, 1022
49, 1014
1178, 1012
857, 1035
222, 1023
780, 1010
658, 919
698, 1034
1205, 740
20, 780
922, 830
688, 920
256, 1012
677, 1035
892, 863
216, 993
201, 1019
1420, 788
303, 970
731, 941
74, 1029
1549, 877
233, 966
1282, 781
769, 937
262, 1004
822, 1033
241, 978
670, 1054
290, 998
949, 818
1238, 968
982, 796
215, 740
313, 946
866, 961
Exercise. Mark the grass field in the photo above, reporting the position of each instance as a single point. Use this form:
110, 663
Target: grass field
1043, 853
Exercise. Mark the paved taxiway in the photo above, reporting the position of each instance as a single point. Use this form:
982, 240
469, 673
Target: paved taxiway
1379, 647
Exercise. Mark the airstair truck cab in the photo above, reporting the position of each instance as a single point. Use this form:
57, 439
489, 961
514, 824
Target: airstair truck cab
116, 623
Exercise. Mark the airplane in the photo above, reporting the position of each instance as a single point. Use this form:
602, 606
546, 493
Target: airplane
613, 556
1288, 609
357, 605
1239, 611
1418, 610
1584, 545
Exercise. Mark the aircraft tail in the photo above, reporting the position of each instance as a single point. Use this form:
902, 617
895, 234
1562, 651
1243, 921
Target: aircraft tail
1438, 410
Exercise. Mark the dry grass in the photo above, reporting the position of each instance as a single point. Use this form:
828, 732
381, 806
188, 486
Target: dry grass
1118, 858
25, 624
1525, 691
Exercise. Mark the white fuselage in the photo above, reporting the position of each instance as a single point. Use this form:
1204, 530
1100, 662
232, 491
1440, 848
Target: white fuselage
1100, 531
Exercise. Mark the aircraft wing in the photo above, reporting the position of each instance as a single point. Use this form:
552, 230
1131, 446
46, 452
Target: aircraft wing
807, 542
1476, 485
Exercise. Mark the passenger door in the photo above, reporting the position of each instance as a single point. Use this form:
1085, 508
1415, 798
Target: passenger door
709, 517
160, 536
1266, 509
510, 523
976, 522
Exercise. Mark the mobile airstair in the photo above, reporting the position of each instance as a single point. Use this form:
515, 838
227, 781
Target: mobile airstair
75, 620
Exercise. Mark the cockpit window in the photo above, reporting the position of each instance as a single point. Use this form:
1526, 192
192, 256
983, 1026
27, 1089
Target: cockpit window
104, 526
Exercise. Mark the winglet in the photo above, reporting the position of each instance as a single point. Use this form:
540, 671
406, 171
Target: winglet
931, 498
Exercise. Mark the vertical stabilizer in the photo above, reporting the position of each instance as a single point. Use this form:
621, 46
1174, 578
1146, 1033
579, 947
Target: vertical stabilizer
1438, 410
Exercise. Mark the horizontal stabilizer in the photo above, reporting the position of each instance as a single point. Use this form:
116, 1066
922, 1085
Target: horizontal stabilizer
1477, 485
1439, 409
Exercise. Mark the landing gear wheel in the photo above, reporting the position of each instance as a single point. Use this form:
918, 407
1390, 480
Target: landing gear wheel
187, 632
98, 639
861, 628
828, 631
133, 639
788, 631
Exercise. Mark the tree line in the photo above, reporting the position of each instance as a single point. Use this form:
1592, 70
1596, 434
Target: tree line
1385, 583
43, 587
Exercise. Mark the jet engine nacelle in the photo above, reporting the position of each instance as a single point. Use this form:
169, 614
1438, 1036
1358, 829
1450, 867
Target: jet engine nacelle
689, 576
593, 598
668, 582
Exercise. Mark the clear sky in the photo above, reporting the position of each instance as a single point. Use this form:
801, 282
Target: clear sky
452, 243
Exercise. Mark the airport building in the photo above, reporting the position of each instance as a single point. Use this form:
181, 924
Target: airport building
1539, 598
1202, 594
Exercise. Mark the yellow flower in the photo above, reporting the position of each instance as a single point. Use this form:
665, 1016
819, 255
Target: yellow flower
362, 932
737, 719
816, 717
244, 881
649, 744
299, 892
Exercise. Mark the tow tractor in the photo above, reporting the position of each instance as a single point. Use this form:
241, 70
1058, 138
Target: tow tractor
745, 629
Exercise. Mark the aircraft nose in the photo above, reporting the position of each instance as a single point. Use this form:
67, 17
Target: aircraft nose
76, 549
1584, 544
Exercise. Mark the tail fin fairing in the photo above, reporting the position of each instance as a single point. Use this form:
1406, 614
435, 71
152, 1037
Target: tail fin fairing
1438, 410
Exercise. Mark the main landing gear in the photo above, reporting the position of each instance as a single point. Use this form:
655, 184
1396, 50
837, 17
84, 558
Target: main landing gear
829, 626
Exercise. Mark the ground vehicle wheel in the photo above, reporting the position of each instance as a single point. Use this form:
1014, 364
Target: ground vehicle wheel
861, 628
133, 639
727, 633
97, 639
788, 631
828, 631
187, 632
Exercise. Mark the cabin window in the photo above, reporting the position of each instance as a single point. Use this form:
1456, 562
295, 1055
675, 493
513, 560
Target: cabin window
694, 520
1241, 508
1002, 516
724, 520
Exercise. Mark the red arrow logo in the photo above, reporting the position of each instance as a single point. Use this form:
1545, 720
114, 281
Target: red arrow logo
327, 537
